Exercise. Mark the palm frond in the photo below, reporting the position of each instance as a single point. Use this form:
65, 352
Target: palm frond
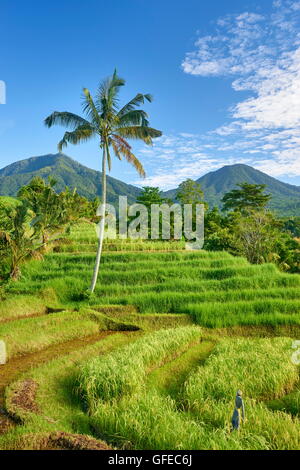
136, 101
136, 117
6, 236
65, 119
139, 132
81, 134
89, 108
131, 158
121, 141
115, 83
106, 96
116, 149
121, 149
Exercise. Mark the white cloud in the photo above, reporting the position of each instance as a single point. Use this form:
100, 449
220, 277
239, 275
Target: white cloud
178, 157
171, 177
262, 55
277, 104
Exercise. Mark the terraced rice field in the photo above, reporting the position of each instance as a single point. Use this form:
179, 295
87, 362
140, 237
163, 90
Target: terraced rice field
178, 353
133, 410
215, 288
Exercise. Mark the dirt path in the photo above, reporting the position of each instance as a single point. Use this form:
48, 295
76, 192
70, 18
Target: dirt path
21, 317
15, 367
169, 378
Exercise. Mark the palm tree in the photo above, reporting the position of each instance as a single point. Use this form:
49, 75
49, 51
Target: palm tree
113, 126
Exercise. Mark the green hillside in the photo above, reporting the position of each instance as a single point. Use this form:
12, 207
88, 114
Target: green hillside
285, 197
67, 172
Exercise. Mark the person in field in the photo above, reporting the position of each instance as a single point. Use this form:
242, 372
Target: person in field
239, 411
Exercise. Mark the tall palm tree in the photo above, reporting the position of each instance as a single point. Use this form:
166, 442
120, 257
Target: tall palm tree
113, 126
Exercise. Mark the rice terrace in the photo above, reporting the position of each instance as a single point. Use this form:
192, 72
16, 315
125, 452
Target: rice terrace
151, 361
171, 323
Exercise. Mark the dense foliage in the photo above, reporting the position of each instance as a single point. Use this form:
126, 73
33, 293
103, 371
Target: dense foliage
28, 223
258, 235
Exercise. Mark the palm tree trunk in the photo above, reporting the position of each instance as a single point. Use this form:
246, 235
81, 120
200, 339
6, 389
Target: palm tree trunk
102, 223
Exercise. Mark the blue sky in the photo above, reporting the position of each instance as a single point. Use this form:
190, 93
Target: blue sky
225, 77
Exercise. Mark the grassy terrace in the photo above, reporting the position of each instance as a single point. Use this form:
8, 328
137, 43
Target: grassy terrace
215, 288
162, 389
191, 409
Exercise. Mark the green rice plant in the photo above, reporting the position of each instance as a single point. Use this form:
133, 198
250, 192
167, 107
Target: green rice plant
289, 403
61, 258
59, 408
138, 265
267, 311
90, 246
143, 245
170, 377
151, 421
285, 282
22, 306
215, 288
146, 419
33, 334
160, 273
124, 371
233, 302
146, 322
261, 368
33, 282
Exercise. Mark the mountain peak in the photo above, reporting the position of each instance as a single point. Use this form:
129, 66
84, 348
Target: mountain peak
285, 197
67, 172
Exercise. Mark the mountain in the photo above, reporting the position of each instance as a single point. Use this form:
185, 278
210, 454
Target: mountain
67, 172
285, 197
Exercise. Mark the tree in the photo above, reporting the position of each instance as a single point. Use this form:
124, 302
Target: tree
246, 199
112, 126
75, 207
218, 231
190, 192
292, 225
48, 207
256, 237
17, 243
150, 195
